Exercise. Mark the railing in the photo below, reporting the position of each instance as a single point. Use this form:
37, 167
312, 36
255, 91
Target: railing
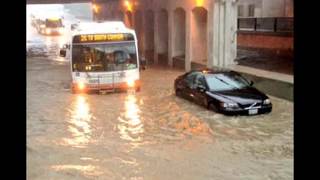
274, 24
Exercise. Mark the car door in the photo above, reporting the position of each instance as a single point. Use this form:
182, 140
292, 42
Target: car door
199, 94
189, 86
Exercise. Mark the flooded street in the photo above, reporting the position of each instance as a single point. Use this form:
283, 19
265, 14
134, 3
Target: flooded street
151, 134
148, 135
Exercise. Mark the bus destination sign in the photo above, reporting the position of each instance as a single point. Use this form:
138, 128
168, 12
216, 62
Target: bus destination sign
90, 38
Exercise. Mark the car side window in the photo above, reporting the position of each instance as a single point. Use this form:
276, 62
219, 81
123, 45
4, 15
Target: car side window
189, 79
199, 80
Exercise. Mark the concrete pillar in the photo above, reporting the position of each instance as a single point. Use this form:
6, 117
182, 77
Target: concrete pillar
224, 32
138, 25
221, 38
156, 37
210, 41
170, 37
227, 34
234, 28
188, 41
143, 35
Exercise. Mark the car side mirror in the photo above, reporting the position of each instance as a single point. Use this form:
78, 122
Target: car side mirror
251, 83
63, 52
201, 88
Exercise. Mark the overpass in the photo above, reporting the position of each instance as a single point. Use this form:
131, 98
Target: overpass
65, 1
56, 1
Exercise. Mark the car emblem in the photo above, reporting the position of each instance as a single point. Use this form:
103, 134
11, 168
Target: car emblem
252, 105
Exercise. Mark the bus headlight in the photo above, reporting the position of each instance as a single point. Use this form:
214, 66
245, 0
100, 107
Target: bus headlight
130, 83
48, 31
60, 30
81, 85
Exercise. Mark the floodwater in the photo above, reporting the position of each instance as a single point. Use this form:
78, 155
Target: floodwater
151, 134
148, 135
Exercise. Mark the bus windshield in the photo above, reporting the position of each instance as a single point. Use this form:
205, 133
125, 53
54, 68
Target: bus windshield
104, 57
53, 23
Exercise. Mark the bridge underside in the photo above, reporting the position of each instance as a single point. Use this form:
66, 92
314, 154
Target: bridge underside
56, 1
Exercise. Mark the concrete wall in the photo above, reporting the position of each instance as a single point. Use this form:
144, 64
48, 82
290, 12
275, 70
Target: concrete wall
206, 36
245, 4
289, 8
269, 8
273, 8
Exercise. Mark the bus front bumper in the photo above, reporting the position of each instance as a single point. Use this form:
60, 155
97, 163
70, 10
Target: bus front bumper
82, 87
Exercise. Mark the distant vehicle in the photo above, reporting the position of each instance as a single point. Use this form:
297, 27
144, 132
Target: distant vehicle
48, 25
225, 92
104, 57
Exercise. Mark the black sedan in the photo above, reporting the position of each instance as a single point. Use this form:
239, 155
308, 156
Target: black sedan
226, 92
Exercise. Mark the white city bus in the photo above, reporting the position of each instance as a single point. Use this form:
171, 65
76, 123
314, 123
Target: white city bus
103, 56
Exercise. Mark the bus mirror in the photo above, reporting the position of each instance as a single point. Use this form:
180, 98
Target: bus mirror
63, 52
66, 46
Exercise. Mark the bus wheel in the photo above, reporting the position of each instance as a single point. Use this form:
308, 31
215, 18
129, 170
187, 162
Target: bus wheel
73, 90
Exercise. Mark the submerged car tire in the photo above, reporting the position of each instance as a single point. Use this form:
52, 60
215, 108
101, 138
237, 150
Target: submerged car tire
212, 107
178, 93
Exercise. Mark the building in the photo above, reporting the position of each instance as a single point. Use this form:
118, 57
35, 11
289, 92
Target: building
265, 8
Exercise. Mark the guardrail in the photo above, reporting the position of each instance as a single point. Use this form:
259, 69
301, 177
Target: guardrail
274, 24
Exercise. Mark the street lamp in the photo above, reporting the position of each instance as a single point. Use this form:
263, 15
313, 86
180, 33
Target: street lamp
199, 3
128, 5
95, 8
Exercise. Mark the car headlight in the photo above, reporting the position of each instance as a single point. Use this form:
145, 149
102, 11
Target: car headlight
266, 101
229, 105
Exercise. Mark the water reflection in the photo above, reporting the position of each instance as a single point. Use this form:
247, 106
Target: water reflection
130, 126
80, 120
87, 170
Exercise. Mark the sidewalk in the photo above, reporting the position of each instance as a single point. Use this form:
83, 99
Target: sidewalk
273, 83
263, 73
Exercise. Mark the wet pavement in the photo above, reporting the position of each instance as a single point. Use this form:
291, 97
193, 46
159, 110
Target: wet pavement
151, 134
265, 61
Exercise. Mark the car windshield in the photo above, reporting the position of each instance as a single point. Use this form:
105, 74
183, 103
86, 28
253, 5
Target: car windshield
53, 23
104, 57
225, 82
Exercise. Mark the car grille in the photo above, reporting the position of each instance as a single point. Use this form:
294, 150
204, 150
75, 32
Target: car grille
252, 105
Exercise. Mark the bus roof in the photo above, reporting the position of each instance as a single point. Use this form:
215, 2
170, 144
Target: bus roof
101, 27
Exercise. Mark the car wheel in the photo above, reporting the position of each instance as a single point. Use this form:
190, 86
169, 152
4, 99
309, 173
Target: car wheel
212, 107
178, 93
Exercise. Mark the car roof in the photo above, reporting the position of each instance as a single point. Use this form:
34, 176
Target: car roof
211, 71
